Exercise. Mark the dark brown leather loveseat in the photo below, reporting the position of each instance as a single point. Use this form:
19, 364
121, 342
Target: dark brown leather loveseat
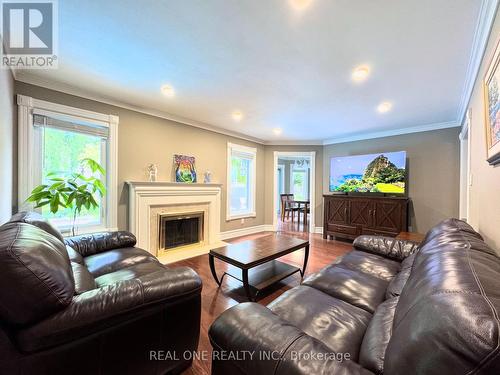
386, 307
92, 304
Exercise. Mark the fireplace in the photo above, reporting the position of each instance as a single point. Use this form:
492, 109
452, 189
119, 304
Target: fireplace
180, 230
151, 200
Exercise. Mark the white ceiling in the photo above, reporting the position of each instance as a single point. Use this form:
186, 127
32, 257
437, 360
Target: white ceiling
280, 67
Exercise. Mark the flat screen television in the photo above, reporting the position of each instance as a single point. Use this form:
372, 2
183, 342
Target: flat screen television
371, 173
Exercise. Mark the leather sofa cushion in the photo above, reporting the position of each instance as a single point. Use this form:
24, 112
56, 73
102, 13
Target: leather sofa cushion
388, 247
451, 225
37, 220
35, 274
74, 256
377, 337
129, 273
350, 285
113, 260
90, 244
110, 306
339, 325
448, 311
371, 264
397, 284
253, 328
84, 281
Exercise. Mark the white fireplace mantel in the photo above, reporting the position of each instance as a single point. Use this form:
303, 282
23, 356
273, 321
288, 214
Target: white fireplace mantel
146, 197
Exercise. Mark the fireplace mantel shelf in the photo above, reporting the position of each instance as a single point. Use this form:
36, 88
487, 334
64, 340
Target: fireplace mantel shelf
173, 184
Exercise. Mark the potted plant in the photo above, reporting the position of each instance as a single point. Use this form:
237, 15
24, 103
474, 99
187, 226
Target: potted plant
74, 191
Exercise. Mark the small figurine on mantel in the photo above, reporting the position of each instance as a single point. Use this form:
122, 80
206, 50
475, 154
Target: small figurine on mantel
152, 172
207, 177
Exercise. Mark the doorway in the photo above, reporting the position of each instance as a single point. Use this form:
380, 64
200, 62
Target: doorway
465, 177
294, 188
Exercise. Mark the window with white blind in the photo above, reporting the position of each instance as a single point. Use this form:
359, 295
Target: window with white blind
241, 181
54, 139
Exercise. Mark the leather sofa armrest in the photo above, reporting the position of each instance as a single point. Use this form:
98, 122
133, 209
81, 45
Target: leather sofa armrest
388, 247
110, 306
251, 338
90, 244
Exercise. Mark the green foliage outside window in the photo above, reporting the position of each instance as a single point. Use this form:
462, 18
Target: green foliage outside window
239, 169
74, 191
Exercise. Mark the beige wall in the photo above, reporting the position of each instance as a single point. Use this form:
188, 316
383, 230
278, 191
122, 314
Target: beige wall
484, 200
144, 139
7, 149
433, 171
269, 179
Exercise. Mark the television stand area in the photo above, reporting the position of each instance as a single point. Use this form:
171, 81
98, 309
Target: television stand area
348, 216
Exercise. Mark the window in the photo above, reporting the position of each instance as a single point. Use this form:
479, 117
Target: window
59, 137
300, 184
241, 181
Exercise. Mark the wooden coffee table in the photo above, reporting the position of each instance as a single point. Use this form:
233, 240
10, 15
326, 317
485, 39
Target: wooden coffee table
254, 263
411, 236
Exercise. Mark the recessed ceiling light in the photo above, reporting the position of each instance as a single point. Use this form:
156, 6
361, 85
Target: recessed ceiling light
237, 115
277, 131
168, 90
384, 107
300, 4
360, 73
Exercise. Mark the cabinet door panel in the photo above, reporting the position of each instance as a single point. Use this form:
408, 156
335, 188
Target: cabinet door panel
361, 212
337, 211
388, 215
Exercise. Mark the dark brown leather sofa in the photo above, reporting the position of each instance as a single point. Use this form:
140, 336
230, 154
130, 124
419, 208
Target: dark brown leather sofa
91, 304
386, 307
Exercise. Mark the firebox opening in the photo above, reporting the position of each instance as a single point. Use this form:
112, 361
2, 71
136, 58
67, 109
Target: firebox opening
180, 230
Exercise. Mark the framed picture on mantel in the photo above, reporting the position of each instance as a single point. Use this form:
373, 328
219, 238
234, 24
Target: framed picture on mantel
492, 109
185, 170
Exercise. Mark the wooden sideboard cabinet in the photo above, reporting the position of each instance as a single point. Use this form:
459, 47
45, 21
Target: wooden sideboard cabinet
348, 216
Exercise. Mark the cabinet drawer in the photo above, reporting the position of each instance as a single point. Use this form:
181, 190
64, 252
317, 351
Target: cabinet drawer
374, 232
346, 229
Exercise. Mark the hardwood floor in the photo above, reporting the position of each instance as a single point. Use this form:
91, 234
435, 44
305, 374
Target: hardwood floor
216, 300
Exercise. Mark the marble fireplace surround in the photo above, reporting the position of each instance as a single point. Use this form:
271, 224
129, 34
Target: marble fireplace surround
147, 200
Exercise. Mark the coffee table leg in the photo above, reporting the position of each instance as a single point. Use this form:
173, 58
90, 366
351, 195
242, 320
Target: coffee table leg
244, 274
212, 268
306, 257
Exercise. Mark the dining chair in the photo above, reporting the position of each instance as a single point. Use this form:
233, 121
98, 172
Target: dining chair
287, 206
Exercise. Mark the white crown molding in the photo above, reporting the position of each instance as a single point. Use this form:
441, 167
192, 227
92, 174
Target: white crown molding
390, 133
480, 40
26, 77
481, 35
293, 143
30, 79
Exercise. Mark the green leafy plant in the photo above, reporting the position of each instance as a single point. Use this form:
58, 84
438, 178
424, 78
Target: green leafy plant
74, 190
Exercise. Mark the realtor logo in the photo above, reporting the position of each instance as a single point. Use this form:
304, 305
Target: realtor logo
29, 32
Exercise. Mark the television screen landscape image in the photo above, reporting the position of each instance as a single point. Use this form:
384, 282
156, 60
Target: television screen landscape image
372, 173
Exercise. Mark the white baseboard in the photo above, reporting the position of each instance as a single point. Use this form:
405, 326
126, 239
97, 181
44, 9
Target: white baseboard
318, 230
245, 231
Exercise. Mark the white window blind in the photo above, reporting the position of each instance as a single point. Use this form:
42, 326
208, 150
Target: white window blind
40, 120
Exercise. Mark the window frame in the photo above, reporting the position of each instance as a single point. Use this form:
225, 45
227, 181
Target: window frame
251, 152
29, 155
